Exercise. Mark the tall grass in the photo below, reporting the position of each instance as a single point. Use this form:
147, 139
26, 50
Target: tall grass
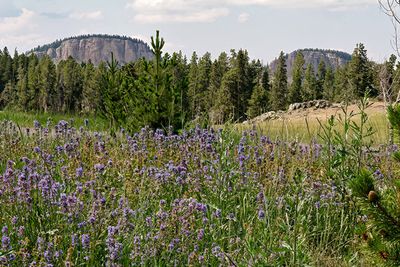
25, 119
201, 198
308, 128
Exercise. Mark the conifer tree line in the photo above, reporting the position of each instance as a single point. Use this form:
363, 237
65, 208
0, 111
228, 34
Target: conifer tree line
172, 90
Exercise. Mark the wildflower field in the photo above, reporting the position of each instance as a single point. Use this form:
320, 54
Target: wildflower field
74, 197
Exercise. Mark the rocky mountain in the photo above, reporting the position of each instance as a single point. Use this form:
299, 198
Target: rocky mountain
332, 58
96, 48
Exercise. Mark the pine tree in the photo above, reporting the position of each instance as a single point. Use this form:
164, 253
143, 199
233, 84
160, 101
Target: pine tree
244, 84
310, 84
178, 68
278, 95
360, 73
15, 65
1, 71
7, 69
320, 79
112, 105
218, 69
380, 203
224, 109
328, 86
392, 76
193, 91
166, 97
295, 88
150, 93
342, 90
46, 84
8, 96
22, 89
203, 81
70, 80
90, 92
33, 83
258, 102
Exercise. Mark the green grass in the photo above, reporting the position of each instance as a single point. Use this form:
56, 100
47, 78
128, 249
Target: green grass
25, 119
306, 129
202, 198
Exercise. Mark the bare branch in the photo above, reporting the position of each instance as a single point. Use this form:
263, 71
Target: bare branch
390, 8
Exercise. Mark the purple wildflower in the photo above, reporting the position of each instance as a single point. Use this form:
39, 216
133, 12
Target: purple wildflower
85, 239
99, 167
79, 172
36, 124
200, 234
4, 230
261, 214
217, 213
5, 243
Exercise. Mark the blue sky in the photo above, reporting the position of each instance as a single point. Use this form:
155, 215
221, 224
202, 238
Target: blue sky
263, 27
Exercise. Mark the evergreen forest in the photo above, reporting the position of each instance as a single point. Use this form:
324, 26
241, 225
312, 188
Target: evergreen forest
174, 90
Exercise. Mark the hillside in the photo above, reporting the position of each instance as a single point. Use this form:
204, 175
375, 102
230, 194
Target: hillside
96, 48
332, 58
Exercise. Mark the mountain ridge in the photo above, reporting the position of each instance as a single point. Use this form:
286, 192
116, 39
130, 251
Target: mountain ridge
96, 48
332, 59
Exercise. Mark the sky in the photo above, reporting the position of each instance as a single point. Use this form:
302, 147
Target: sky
262, 27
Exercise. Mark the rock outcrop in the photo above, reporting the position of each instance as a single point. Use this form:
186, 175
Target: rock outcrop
270, 115
332, 59
305, 106
310, 104
96, 48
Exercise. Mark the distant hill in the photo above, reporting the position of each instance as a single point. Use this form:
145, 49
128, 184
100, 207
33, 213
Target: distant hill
97, 48
332, 58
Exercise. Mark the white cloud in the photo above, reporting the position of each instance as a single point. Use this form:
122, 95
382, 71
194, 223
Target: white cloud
304, 3
22, 31
15, 24
152, 11
170, 5
209, 15
87, 15
155, 11
23, 42
142, 37
242, 18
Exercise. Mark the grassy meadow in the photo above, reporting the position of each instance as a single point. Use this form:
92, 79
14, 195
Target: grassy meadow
273, 195
307, 127
26, 119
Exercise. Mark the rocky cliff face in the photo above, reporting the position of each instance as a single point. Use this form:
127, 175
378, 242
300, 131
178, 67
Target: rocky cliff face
96, 49
332, 58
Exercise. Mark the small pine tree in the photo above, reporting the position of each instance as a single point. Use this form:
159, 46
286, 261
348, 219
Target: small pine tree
112, 104
8, 95
328, 86
360, 73
22, 89
224, 108
381, 205
297, 74
279, 88
310, 84
258, 102
193, 90
321, 75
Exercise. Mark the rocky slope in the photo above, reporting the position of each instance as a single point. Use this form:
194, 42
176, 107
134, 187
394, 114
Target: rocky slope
331, 58
96, 48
